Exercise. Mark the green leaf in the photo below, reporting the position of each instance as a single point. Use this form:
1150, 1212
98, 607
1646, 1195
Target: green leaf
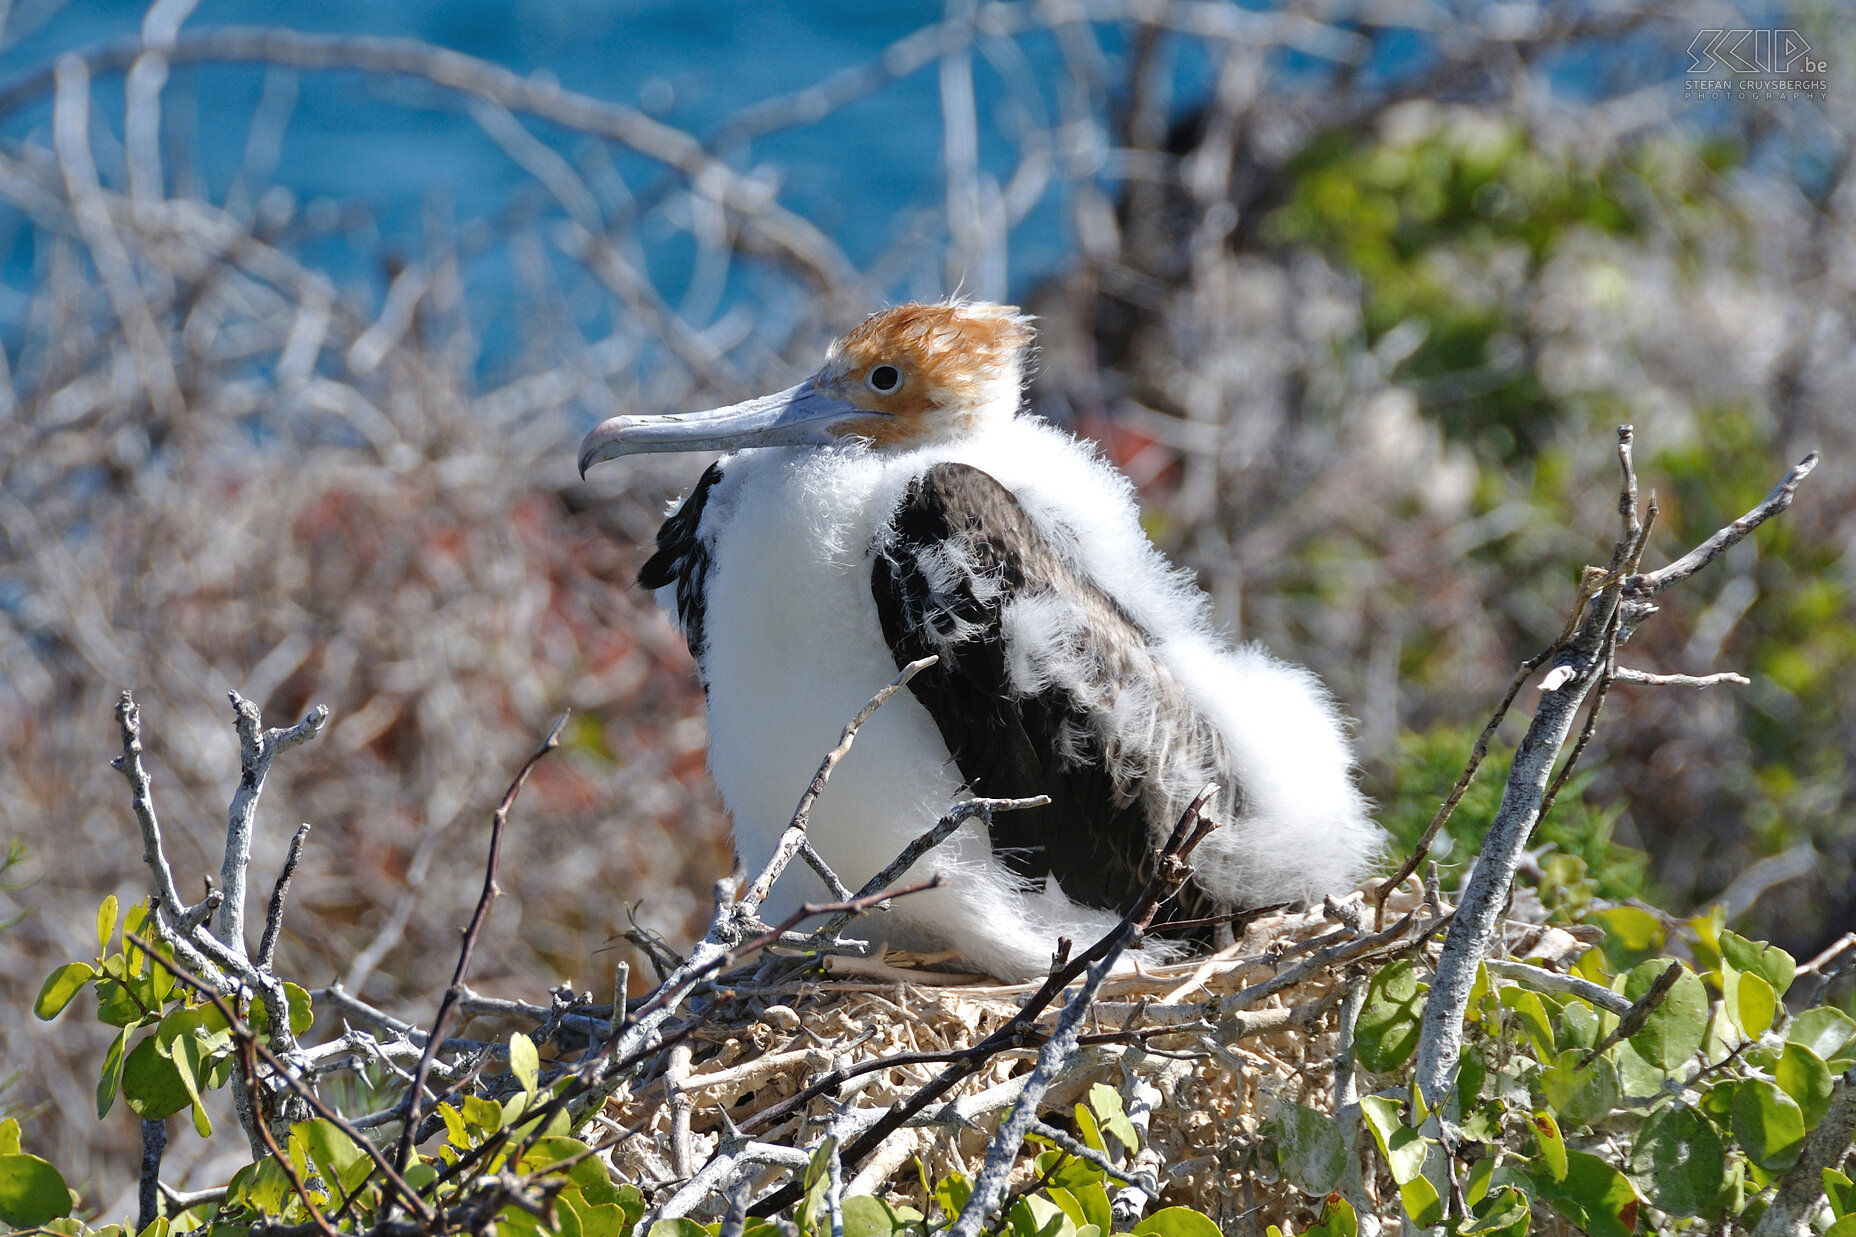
1066, 1201
1630, 935
330, 1150
455, 1131
1580, 1095
485, 1115
9, 1137
106, 923
1839, 1192
1030, 1216
1309, 1147
1675, 1030
32, 1192
60, 986
1176, 1222
1091, 1132
603, 1220
1575, 1024
678, 1228
1768, 1124
554, 1150
1594, 1196
1751, 1002
1403, 1148
1533, 1015
1846, 1227
151, 1086
1419, 1198
1803, 1075
1105, 1101
111, 1078
115, 1007
1067, 1171
1769, 962
1825, 1030
1097, 1210
524, 1062
1387, 1031
1552, 1145
1678, 1160
302, 1015
1504, 1213
952, 1192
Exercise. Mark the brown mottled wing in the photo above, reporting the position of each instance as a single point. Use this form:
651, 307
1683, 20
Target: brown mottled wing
1093, 838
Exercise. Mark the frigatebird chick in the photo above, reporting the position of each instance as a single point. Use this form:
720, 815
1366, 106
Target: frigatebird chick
900, 503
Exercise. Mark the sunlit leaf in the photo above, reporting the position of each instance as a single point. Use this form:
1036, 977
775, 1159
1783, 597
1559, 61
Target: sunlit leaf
1176, 1222
1839, 1192
1768, 1124
1403, 1148
106, 923
1769, 962
60, 987
1552, 1146
1751, 1002
1532, 1013
524, 1062
1803, 1075
1105, 1102
1338, 1219
1580, 1094
1825, 1030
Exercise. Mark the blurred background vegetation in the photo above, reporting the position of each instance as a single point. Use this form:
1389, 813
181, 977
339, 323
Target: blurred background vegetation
301, 329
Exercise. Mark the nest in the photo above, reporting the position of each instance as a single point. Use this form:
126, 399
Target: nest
1199, 1051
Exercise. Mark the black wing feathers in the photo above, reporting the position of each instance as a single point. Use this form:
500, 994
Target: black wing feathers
1093, 837
682, 559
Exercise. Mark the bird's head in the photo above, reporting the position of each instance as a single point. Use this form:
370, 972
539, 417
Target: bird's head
906, 377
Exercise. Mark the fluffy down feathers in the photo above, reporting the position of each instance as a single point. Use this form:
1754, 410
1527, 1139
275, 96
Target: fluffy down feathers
792, 645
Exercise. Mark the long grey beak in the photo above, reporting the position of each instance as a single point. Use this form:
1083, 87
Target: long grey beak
797, 416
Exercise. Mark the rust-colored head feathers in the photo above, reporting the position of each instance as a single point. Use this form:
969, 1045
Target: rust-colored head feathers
927, 370
906, 377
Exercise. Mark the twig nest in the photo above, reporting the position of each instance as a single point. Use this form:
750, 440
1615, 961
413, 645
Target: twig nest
1220, 1039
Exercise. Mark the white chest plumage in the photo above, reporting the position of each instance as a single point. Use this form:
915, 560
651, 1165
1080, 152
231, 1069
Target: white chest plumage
792, 650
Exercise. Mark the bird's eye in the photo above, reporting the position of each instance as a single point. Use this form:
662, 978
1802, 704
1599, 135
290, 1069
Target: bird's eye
884, 379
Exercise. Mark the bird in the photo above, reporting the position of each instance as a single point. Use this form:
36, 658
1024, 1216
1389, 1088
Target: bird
903, 503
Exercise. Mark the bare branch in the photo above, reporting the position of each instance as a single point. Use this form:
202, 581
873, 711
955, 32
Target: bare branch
274, 914
498, 820
257, 747
1648, 585
142, 803
1625, 674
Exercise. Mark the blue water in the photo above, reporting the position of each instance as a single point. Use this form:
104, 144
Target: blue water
399, 147
405, 152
